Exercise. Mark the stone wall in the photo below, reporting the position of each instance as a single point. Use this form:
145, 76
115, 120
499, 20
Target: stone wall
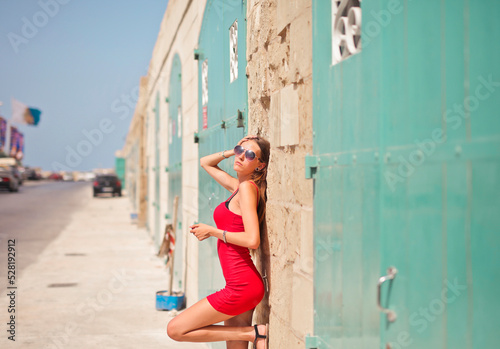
178, 34
135, 138
279, 69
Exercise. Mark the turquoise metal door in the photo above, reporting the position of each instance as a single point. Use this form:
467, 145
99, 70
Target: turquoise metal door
222, 115
174, 168
440, 175
120, 170
346, 174
406, 174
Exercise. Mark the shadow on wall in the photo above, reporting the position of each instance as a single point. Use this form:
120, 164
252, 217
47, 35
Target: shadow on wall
263, 262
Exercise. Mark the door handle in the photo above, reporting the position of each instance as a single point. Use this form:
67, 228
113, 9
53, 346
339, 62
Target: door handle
391, 274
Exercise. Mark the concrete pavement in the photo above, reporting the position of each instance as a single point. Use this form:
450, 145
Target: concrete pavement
93, 286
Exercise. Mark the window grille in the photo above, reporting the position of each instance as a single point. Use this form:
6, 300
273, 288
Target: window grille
346, 29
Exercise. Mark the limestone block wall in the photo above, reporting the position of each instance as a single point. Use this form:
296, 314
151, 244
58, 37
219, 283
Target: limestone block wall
178, 34
279, 69
133, 151
150, 153
142, 178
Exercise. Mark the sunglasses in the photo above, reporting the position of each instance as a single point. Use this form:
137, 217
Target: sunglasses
249, 154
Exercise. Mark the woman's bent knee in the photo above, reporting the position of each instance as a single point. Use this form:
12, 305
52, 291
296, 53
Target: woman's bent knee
174, 331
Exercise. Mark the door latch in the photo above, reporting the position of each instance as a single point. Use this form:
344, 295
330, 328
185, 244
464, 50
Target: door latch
391, 274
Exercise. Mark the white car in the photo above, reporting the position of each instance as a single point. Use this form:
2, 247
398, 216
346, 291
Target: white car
8, 179
68, 177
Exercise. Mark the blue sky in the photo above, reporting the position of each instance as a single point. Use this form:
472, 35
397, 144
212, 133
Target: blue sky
79, 62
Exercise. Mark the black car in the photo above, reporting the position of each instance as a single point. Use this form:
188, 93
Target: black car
108, 183
32, 174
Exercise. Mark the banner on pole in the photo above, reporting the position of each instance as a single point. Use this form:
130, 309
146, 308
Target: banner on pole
20, 146
3, 134
16, 143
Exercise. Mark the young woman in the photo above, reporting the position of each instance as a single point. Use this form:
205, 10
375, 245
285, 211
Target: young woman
238, 221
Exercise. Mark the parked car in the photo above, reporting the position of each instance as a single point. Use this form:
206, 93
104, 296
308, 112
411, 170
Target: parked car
14, 166
68, 177
89, 176
33, 174
17, 173
108, 183
8, 179
55, 176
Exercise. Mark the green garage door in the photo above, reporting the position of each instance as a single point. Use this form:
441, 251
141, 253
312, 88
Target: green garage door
406, 170
174, 168
222, 115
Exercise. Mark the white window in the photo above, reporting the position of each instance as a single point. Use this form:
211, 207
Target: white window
170, 130
233, 51
346, 29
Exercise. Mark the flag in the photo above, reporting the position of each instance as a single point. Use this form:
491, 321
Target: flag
22, 114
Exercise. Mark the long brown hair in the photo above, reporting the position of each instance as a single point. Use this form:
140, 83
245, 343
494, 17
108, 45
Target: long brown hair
260, 178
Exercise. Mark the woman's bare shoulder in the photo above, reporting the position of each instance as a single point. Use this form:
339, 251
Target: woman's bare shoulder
246, 185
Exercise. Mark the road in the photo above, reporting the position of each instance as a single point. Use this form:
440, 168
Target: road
34, 217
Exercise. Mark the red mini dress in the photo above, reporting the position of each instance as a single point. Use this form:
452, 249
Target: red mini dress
244, 286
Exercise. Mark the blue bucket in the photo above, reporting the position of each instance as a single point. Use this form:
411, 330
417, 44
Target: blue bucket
133, 217
165, 301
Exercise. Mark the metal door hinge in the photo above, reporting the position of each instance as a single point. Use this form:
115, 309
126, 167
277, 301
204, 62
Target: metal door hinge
240, 119
311, 164
312, 342
197, 55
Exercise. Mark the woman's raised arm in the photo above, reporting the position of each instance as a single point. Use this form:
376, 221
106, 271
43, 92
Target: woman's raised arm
209, 164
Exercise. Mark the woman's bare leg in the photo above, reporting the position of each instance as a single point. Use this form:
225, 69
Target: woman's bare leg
195, 324
242, 320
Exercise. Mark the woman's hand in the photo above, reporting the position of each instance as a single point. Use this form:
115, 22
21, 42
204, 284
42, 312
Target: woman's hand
201, 231
230, 152
246, 138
